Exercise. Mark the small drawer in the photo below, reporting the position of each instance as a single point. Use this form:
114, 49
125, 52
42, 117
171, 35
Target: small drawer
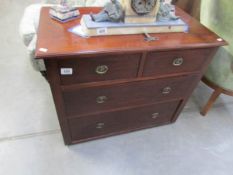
120, 121
162, 63
90, 100
82, 70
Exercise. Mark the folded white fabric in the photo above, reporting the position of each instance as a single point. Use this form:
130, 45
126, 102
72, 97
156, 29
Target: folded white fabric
30, 20
28, 32
29, 23
38, 65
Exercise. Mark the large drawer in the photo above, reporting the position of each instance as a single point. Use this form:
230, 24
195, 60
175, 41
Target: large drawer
82, 70
163, 63
120, 121
98, 99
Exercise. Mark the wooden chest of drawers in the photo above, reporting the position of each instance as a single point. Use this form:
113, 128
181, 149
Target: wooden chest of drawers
109, 85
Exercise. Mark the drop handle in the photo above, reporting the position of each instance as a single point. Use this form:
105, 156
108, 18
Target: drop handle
178, 61
166, 90
101, 99
101, 70
100, 125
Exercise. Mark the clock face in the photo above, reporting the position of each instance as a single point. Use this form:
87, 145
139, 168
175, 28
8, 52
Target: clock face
143, 7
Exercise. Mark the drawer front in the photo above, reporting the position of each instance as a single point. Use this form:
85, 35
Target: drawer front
109, 123
161, 63
98, 99
83, 70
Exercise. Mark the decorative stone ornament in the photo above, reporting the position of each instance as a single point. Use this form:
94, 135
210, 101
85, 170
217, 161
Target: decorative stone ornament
166, 12
112, 11
64, 11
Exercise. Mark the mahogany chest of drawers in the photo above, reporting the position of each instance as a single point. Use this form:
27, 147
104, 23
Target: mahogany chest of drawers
108, 85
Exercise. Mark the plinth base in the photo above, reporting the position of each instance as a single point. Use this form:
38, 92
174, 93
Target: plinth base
92, 28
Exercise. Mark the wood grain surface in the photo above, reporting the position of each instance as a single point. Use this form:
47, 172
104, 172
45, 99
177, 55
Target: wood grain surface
58, 41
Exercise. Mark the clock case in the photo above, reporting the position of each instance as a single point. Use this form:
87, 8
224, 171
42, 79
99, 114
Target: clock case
132, 17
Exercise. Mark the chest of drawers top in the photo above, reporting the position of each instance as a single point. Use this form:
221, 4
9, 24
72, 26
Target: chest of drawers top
59, 42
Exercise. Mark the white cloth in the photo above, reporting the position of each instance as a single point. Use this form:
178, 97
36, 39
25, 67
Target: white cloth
29, 23
30, 20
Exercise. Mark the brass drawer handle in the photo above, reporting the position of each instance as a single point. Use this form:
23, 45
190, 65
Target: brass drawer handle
101, 99
100, 125
155, 115
101, 70
167, 90
178, 61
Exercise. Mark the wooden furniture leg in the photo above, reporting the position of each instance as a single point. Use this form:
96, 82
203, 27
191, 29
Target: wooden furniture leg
211, 101
217, 91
